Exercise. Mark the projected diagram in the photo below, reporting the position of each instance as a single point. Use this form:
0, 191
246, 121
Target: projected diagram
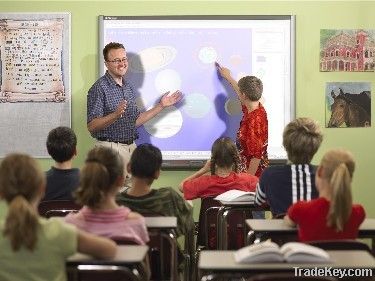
160, 60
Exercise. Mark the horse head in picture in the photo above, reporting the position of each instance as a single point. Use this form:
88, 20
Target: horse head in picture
352, 109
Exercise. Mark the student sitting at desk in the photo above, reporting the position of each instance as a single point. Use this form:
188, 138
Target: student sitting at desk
144, 166
62, 178
34, 248
101, 178
224, 173
282, 185
332, 215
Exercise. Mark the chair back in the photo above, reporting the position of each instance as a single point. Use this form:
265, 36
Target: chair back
57, 208
346, 244
207, 223
103, 272
163, 252
236, 228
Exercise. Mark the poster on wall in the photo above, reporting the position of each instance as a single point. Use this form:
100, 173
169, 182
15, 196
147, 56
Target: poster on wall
347, 50
35, 91
348, 104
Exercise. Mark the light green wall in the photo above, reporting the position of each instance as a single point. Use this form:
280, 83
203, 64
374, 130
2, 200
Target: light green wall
311, 16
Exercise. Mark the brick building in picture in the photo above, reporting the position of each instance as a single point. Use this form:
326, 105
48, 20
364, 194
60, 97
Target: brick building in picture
347, 52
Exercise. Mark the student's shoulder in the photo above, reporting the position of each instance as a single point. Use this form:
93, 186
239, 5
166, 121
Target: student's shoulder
56, 226
314, 203
358, 210
275, 170
204, 179
167, 191
245, 177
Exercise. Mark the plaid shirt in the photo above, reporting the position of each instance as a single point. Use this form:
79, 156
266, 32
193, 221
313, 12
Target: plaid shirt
103, 98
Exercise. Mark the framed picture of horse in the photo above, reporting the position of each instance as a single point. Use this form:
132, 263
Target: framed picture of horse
349, 50
348, 104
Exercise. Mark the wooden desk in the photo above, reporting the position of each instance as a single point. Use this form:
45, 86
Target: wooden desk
161, 222
278, 227
223, 263
131, 256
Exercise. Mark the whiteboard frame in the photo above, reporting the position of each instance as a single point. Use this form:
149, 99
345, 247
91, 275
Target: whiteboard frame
292, 18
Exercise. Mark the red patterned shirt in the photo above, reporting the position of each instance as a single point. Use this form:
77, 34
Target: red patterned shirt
252, 138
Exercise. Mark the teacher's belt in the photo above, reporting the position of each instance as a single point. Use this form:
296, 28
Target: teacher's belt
122, 142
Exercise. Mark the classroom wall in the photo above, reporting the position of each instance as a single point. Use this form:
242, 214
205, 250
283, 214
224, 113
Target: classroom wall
311, 16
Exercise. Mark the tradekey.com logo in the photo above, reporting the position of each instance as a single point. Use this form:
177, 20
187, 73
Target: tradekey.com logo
332, 272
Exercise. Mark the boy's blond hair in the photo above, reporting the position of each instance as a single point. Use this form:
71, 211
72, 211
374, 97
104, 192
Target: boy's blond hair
302, 138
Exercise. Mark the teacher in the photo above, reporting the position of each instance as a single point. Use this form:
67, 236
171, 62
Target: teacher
112, 113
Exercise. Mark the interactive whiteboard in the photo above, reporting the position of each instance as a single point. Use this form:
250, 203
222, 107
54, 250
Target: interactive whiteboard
179, 52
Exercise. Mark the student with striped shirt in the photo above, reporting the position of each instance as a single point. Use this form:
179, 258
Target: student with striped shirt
281, 186
101, 178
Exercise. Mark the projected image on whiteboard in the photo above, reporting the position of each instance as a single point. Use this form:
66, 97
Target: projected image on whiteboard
169, 55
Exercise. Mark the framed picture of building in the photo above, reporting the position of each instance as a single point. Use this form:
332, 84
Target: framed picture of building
35, 90
347, 50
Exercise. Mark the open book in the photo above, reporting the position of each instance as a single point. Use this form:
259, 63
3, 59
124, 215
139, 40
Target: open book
236, 196
293, 252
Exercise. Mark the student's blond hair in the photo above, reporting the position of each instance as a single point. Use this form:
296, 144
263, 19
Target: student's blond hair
338, 167
21, 181
102, 168
251, 87
302, 138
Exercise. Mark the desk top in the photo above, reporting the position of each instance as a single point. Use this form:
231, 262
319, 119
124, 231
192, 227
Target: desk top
278, 225
224, 260
273, 225
161, 222
237, 203
125, 255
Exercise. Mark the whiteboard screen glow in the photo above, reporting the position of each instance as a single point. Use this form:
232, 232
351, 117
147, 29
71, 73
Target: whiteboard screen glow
170, 53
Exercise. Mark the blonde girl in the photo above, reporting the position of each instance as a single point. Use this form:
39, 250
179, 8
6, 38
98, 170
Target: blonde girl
33, 248
332, 215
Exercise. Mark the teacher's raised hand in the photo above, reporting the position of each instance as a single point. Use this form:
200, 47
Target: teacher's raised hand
170, 99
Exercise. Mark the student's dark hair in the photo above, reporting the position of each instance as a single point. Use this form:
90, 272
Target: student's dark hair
224, 154
21, 180
111, 46
61, 144
102, 168
145, 161
251, 87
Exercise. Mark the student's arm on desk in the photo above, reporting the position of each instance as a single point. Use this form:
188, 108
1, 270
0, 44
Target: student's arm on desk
288, 221
98, 247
